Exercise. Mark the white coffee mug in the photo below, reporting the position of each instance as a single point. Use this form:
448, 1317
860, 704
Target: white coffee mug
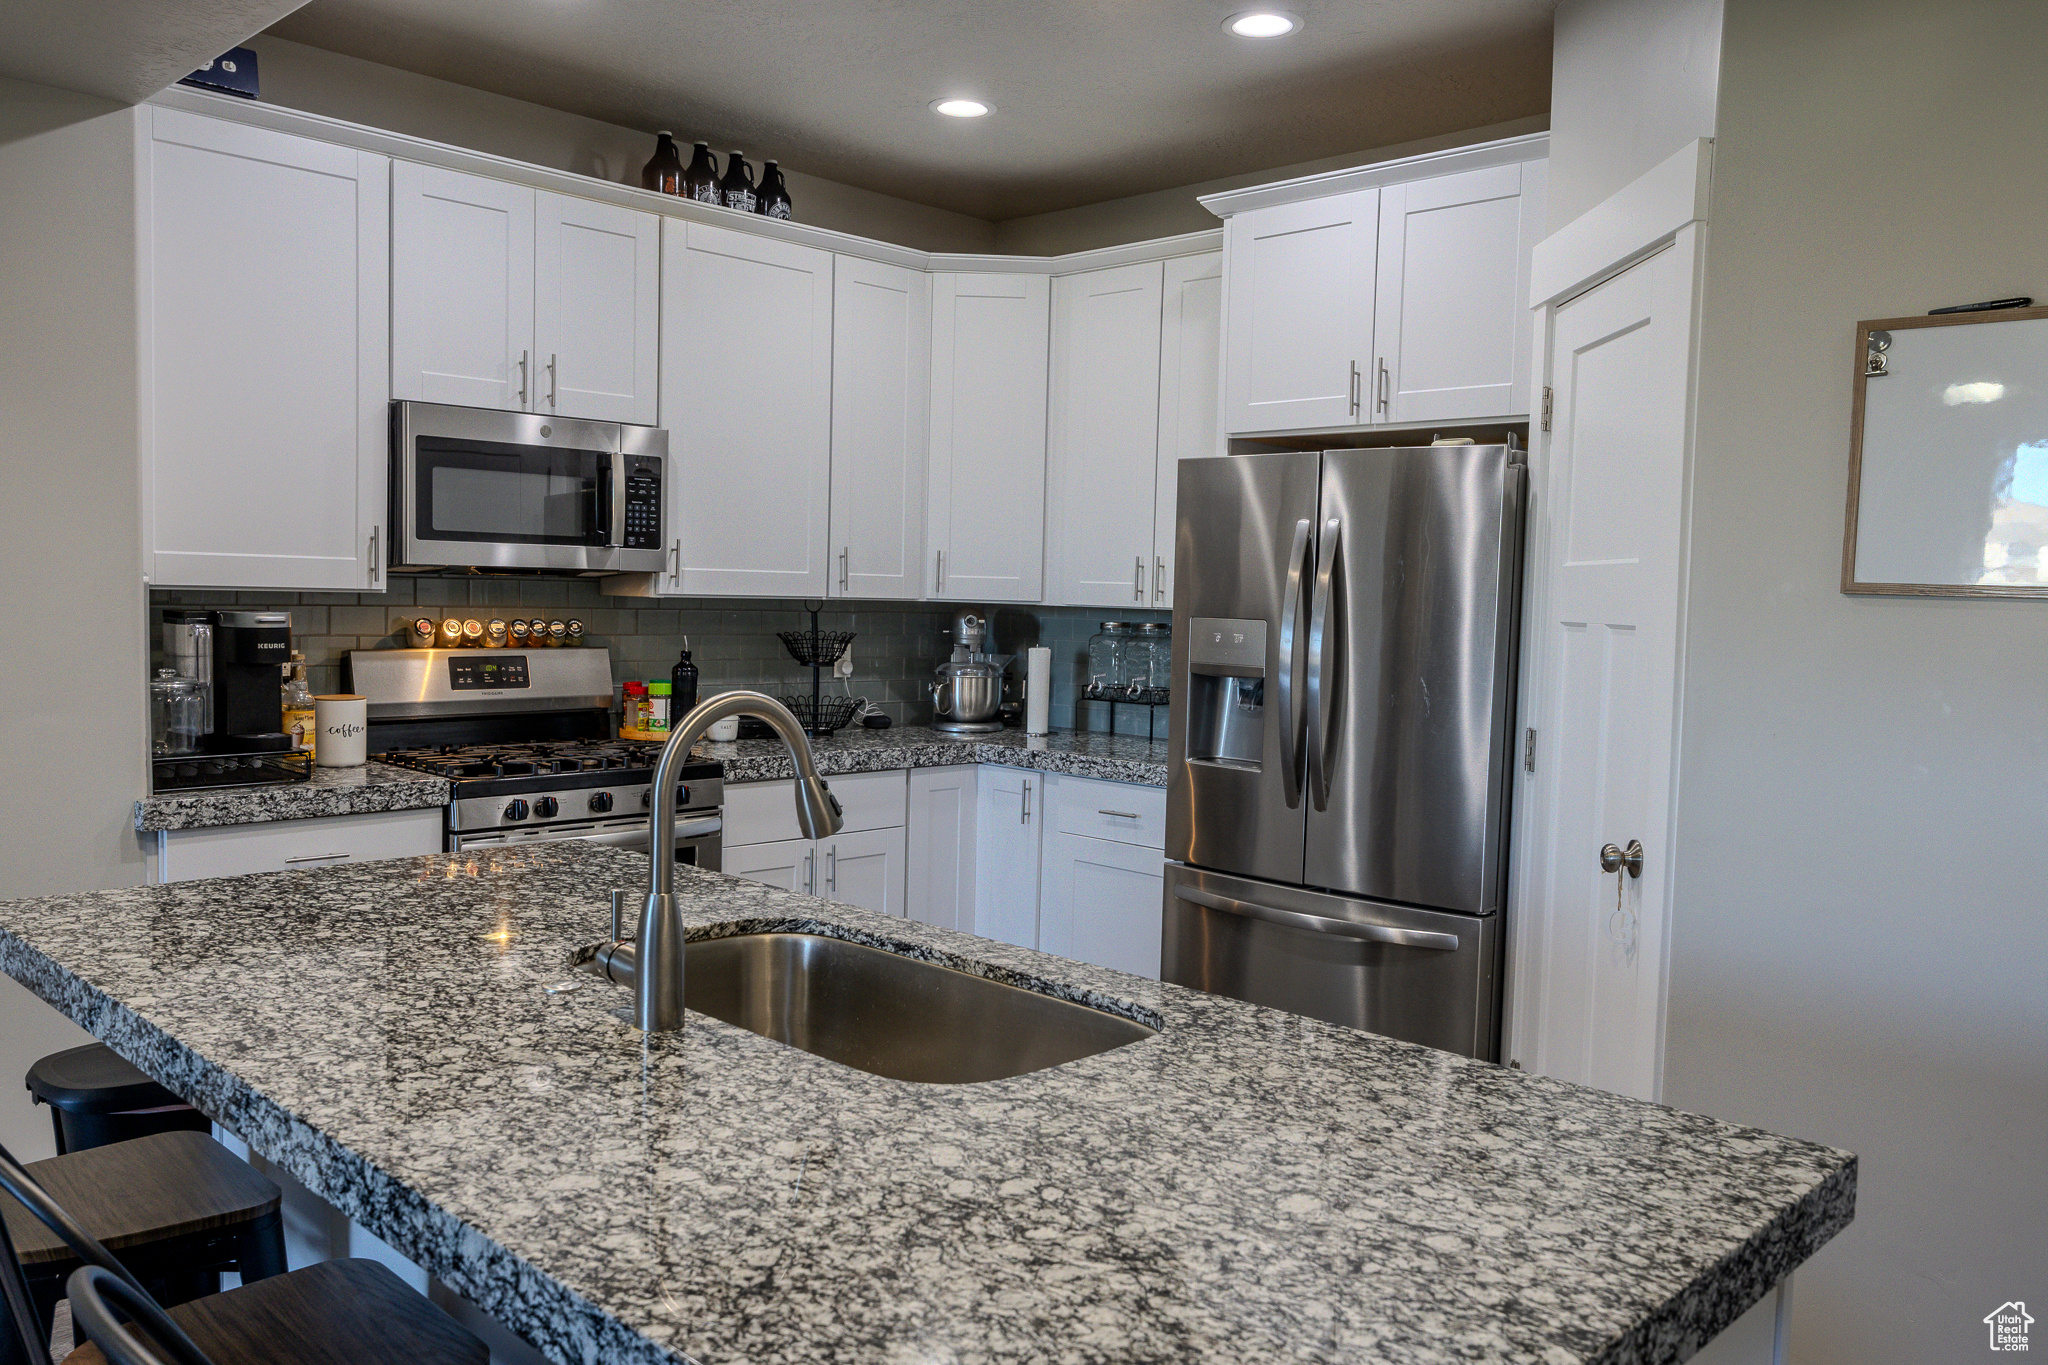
343, 725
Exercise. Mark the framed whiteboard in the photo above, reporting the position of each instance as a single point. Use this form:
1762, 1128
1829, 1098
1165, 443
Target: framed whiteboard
1948, 457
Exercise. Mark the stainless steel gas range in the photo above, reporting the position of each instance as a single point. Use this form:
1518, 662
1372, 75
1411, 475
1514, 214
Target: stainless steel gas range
525, 738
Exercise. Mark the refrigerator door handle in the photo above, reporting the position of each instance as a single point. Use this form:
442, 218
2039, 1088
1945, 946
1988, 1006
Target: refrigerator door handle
1292, 716
1322, 639
1320, 924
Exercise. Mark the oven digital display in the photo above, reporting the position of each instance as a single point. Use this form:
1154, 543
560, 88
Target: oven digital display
487, 674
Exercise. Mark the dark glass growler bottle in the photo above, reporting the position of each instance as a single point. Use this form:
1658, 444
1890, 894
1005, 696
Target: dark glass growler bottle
774, 194
683, 683
737, 189
664, 170
700, 182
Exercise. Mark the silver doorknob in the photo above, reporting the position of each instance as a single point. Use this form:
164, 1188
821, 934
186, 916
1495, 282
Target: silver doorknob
1614, 859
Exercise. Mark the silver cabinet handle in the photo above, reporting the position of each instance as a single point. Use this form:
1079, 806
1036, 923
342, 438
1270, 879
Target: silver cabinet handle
942, 571
811, 872
1292, 713
1320, 924
1138, 579
1386, 395
1024, 811
375, 563
316, 858
522, 379
843, 551
551, 380
832, 869
675, 559
1158, 578
1120, 814
1354, 388
1322, 667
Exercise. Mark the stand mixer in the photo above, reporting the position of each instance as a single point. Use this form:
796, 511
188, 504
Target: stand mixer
968, 690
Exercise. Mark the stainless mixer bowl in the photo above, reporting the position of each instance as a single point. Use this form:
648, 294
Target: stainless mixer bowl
967, 694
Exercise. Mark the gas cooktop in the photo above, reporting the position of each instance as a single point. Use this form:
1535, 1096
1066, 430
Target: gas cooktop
542, 765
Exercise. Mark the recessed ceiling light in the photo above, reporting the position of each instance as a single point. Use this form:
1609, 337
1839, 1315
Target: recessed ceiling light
962, 108
1263, 23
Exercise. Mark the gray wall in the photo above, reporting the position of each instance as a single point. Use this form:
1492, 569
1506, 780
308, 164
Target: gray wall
1859, 940
71, 725
1632, 81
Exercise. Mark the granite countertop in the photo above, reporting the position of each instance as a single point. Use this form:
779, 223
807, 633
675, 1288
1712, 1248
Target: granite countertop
330, 791
1112, 758
1247, 1184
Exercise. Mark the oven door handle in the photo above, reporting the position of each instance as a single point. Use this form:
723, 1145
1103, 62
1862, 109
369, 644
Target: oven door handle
687, 831
1321, 924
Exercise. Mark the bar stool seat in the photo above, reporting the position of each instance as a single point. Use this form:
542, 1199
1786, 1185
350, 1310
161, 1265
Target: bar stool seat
96, 1098
332, 1313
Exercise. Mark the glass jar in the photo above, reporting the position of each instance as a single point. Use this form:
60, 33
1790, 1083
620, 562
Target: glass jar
1106, 655
176, 713
1135, 671
1160, 636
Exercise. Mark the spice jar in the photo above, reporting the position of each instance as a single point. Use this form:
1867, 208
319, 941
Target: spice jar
420, 634
494, 634
451, 634
558, 632
516, 634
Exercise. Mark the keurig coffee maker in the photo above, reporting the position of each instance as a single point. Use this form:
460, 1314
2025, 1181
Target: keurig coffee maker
249, 650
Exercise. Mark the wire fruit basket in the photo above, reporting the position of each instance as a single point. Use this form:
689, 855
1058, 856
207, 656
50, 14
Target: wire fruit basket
831, 713
815, 648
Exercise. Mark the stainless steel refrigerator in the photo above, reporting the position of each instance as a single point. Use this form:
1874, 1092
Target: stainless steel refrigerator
1344, 637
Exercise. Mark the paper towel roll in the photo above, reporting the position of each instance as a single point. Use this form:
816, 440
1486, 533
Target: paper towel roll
1037, 690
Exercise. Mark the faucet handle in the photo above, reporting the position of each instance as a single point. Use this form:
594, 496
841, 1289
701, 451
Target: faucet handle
618, 914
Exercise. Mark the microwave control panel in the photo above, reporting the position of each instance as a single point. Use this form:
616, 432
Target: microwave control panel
642, 530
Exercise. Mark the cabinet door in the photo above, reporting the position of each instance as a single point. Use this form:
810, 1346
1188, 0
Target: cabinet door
986, 521
791, 864
1009, 810
264, 290
939, 868
597, 303
1103, 464
461, 289
746, 395
1102, 903
1299, 320
881, 379
1190, 395
864, 869
1450, 321
283, 845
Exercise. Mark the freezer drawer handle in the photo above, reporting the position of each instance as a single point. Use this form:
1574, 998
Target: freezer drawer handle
1321, 924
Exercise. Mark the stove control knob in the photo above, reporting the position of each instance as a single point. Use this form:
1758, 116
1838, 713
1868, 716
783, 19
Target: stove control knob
647, 799
600, 802
545, 807
515, 810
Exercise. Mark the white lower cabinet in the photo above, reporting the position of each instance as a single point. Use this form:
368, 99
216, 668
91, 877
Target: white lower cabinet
864, 868
1009, 809
939, 863
184, 855
1101, 902
788, 863
861, 865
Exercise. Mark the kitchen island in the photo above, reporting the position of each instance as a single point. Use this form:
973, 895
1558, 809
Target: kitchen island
1246, 1184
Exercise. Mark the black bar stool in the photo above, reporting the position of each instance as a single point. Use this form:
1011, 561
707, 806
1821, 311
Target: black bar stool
179, 1206
96, 1098
334, 1313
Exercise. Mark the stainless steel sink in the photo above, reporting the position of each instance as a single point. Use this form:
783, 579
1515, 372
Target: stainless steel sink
889, 1014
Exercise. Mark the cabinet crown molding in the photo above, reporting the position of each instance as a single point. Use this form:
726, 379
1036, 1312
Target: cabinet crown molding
1504, 152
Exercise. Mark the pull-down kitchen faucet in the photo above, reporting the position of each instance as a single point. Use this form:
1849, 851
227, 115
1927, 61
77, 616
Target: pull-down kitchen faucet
652, 964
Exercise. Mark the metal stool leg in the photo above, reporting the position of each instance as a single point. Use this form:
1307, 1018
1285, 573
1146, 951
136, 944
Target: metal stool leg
259, 1248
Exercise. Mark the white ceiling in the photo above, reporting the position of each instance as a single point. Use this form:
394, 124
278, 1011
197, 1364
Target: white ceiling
1095, 99
125, 50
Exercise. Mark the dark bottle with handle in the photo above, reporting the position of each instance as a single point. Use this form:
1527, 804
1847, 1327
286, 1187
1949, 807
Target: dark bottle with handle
773, 199
664, 170
737, 189
683, 683
700, 181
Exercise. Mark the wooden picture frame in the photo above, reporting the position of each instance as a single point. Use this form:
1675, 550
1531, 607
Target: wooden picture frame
1873, 364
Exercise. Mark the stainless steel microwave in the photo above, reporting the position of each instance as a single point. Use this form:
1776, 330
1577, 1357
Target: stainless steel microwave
488, 489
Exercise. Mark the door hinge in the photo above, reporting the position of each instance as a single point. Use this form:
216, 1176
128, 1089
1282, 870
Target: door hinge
1529, 750
1547, 392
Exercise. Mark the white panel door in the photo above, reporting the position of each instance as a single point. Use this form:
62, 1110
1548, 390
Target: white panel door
1009, 811
985, 527
597, 306
864, 868
746, 395
940, 862
1102, 902
1450, 319
1299, 318
1190, 394
881, 385
1588, 976
184, 855
264, 297
791, 864
461, 289
1103, 464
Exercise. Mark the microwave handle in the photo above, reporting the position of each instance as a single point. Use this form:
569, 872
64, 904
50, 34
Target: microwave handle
614, 497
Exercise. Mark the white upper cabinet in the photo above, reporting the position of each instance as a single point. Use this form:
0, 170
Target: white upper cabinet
461, 289
1190, 401
1451, 326
746, 395
264, 289
1299, 278
881, 378
597, 303
986, 519
1103, 469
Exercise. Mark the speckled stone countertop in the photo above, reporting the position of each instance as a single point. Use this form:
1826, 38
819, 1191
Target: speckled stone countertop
330, 791
1246, 1185
1112, 758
